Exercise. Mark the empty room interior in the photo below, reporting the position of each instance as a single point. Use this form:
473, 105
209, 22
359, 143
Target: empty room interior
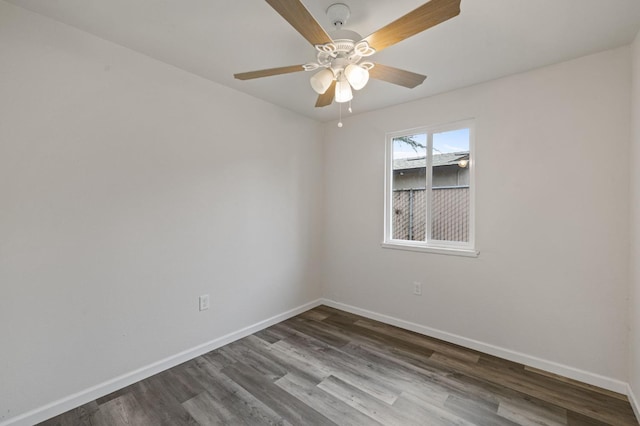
320, 212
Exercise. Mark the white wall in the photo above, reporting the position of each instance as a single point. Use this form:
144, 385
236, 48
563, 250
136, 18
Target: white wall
551, 280
634, 299
128, 188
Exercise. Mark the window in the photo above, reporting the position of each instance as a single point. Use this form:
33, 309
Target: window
429, 193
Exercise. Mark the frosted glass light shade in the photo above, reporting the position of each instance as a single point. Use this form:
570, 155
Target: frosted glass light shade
343, 91
321, 81
356, 76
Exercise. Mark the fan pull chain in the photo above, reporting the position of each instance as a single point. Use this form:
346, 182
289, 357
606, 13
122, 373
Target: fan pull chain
350, 110
340, 120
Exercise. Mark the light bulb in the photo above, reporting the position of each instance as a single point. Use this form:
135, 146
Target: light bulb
321, 81
357, 76
463, 163
343, 91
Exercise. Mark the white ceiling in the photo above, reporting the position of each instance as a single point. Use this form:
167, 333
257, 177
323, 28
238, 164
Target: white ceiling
217, 38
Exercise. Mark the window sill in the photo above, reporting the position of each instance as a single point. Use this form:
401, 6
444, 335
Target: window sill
436, 250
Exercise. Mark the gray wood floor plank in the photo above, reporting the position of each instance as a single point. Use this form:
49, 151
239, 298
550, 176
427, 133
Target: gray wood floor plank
371, 336
208, 410
177, 382
242, 352
218, 359
314, 314
297, 363
286, 405
267, 335
82, 415
430, 380
367, 404
475, 412
433, 412
339, 318
576, 383
281, 331
281, 359
229, 397
404, 378
166, 409
123, 410
514, 405
530, 415
332, 407
318, 331
576, 419
346, 367
594, 405
416, 339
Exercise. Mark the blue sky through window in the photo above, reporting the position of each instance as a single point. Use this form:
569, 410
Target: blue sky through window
452, 141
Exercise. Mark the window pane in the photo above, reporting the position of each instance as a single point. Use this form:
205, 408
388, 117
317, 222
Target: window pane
408, 204
450, 186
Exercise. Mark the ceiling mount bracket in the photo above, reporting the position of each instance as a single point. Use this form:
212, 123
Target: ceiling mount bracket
338, 14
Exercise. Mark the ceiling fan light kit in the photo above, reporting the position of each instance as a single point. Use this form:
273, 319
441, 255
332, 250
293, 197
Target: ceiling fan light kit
357, 76
339, 57
321, 81
343, 90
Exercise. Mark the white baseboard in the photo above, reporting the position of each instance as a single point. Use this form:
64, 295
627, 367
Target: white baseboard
634, 402
532, 361
65, 404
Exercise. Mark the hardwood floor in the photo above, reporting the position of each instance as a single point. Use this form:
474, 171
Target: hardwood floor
327, 367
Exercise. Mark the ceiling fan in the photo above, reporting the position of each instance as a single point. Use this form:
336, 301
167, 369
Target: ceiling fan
340, 57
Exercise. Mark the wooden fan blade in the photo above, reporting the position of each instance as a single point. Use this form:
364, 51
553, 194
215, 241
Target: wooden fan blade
268, 72
396, 76
422, 18
294, 12
327, 98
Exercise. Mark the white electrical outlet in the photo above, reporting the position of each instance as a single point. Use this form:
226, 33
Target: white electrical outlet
203, 302
417, 288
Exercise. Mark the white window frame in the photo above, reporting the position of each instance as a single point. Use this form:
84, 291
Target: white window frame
458, 248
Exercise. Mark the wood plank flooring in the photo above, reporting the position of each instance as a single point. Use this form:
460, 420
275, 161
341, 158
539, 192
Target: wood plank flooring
328, 367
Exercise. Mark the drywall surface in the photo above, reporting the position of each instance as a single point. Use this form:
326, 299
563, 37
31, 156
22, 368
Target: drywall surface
634, 295
128, 188
551, 280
